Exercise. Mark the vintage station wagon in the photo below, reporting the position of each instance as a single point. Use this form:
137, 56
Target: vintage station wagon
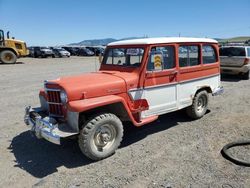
138, 80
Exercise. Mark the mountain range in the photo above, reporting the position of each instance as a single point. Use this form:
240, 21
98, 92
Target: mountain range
105, 41
100, 42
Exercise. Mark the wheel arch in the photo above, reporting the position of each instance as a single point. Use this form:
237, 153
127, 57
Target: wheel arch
202, 88
116, 108
11, 49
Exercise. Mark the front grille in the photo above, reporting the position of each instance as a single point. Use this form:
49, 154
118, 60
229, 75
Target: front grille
55, 104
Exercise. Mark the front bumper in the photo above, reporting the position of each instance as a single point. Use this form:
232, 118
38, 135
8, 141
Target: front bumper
46, 127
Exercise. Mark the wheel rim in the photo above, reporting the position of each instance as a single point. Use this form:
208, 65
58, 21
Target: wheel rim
104, 137
8, 57
201, 103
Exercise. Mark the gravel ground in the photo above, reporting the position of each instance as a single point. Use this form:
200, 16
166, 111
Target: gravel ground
171, 152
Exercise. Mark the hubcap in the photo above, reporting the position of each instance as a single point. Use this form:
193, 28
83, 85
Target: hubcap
201, 104
104, 136
8, 57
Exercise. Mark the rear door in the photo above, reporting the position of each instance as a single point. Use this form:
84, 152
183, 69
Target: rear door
232, 56
160, 82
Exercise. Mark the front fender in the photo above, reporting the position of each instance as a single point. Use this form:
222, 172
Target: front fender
87, 104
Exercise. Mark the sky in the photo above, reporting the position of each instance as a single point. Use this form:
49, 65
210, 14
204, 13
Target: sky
58, 22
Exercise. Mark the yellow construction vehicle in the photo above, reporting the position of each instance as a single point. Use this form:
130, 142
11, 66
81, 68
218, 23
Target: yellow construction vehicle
11, 49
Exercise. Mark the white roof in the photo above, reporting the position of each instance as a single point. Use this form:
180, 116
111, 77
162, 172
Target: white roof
161, 40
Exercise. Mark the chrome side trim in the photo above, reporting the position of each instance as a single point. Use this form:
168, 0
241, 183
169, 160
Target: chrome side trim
172, 83
161, 85
200, 78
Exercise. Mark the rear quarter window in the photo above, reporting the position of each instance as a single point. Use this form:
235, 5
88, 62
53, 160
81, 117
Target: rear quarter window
232, 51
208, 54
18, 46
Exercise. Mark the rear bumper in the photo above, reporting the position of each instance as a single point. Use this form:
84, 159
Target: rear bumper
235, 70
45, 126
218, 91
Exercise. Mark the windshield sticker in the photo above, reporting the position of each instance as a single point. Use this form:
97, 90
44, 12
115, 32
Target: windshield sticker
157, 59
133, 51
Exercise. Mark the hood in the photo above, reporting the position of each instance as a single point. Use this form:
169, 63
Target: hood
94, 84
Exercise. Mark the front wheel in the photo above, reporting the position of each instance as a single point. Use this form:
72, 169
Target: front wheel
101, 136
199, 105
8, 57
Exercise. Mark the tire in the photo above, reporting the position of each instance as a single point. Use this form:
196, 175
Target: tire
245, 76
199, 105
8, 57
101, 136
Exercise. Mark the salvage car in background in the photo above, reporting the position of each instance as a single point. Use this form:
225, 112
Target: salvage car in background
60, 52
97, 50
85, 52
40, 51
235, 60
72, 50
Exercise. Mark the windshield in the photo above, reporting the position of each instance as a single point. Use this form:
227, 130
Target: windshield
45, 48
60, 49
232, 51
123, 56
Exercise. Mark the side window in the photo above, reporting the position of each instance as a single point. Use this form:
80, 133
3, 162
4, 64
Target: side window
188, 56
161, 58
18, 46
248, 52
208, 54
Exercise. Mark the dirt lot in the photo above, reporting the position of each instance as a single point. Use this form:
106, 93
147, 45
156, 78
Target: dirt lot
171, 152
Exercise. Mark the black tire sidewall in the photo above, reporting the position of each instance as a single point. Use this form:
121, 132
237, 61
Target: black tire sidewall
87, 135
245, 76
198, 96
192, 111
114, 145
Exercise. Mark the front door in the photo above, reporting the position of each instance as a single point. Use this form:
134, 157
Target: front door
160, 86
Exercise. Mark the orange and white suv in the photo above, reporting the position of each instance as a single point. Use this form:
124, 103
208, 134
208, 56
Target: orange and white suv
150, 77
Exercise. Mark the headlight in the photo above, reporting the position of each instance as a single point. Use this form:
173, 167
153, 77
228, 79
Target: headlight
63, 96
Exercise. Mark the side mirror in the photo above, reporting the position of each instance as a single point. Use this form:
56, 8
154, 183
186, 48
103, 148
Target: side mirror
1, 35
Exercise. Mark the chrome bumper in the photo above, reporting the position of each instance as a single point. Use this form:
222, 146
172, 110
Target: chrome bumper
218, 91
46, 127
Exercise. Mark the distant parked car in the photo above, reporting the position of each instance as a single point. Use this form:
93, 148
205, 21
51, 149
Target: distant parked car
85, 52
31, 51
116, 53
235, 60
97, 50
72, 50
60, 52
38, 51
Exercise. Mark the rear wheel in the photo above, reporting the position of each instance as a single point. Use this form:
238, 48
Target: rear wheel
101, 136
199, 106
245, 76
8, 57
